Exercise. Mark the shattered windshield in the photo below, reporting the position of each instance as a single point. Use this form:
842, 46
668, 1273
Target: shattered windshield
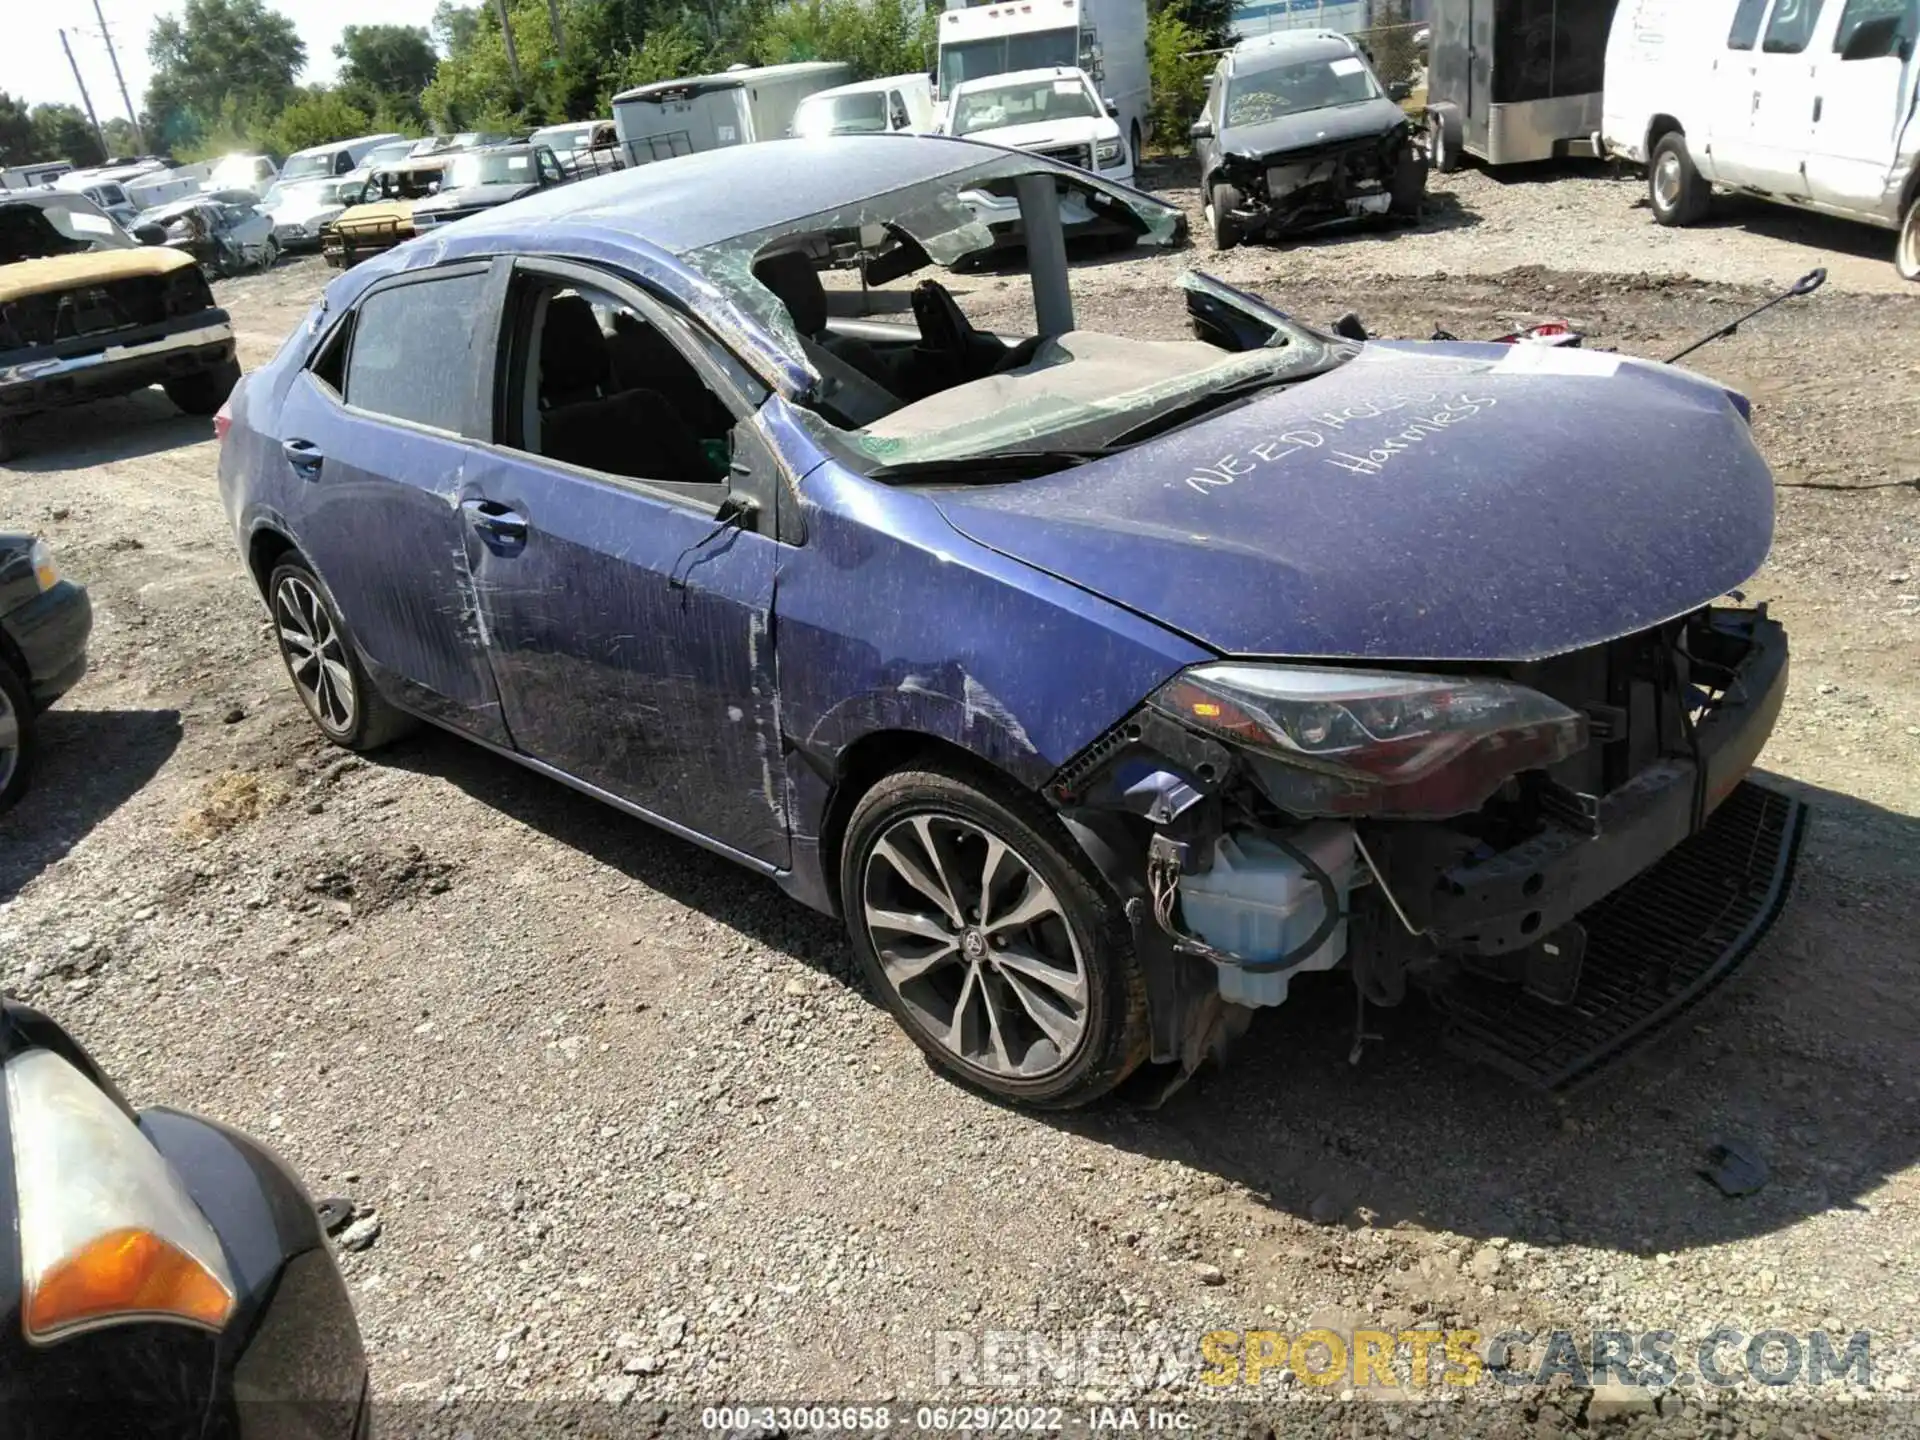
1079, 388
1030, 102
56, 225
1293, 87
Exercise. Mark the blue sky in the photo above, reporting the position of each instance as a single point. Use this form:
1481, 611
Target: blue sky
32, 66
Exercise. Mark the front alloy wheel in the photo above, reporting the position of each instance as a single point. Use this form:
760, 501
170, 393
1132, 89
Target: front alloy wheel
16, 736
986, 934
976, 945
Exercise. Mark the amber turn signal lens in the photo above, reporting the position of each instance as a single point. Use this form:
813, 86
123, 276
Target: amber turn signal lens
124, 1273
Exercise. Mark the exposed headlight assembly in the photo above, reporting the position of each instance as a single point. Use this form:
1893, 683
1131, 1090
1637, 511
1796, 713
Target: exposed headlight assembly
1359, 742
107, 1232
45, 573
1107, 153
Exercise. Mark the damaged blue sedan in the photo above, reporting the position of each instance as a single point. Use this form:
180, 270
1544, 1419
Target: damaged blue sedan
1101, 686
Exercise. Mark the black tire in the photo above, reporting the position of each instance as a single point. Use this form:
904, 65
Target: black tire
1133, 154
16, 736
1407, 191
1113, 1037
297, 602
1676, 191
9, 438
204, 391
1443, 150
1906, 255
1222, 201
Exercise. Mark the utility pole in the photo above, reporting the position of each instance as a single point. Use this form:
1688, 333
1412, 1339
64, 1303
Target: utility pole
85, 99
559, 40
513, 57
139, 140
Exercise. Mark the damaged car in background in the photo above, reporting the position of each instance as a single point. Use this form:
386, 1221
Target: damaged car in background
88, 312
1100, 686
1298, 133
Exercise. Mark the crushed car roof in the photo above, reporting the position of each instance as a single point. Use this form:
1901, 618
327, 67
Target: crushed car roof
693, 201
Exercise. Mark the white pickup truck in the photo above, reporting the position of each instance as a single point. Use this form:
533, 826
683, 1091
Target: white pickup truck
1810, 103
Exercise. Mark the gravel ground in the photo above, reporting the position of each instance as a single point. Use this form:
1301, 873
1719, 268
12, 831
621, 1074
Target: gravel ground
626, 1129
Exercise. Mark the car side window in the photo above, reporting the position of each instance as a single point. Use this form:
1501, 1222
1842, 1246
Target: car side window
413, 352
1859, 12
897, 116
1746, 24
1791, 27
549, 167
603, 388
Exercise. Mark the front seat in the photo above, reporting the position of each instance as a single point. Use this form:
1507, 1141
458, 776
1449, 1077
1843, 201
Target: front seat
865, 389
584, 421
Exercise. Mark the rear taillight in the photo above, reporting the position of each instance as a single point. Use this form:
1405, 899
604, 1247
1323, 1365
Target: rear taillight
223, 422
108, 1234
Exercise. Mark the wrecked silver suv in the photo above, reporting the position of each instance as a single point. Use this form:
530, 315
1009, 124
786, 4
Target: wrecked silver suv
1298, 133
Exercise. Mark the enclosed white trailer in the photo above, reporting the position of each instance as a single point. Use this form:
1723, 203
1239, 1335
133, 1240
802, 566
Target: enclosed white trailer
706, 112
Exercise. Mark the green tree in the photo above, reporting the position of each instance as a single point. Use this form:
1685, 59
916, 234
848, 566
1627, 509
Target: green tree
214, 50
61, 132
1176, 73
121, 139
455, 26
876, 37
316, 116
19, 144
1390, 41
393, 61
668, 51
474, 88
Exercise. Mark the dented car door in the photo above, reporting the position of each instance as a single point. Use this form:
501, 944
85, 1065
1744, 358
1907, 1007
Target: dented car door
372, 453
627, 617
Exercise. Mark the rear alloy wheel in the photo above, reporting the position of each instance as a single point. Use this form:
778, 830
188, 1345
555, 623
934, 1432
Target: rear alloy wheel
995, 948
16, 736
1674, 188
323, 667
204, 391
1222, 201
1906, 255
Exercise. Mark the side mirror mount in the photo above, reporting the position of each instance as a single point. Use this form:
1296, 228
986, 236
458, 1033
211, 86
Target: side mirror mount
1201, 129
1874, 39
150, 234
1399, 90
1112, 107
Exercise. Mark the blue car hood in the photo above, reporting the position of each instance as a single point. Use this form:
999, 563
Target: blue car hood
1421, 502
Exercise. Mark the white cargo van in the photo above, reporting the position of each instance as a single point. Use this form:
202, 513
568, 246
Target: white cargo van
340, 157
1804, 102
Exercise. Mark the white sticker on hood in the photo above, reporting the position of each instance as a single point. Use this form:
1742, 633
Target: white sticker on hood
1352, 65
1525, 358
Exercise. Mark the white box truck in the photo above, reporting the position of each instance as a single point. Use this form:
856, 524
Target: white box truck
705, 112
1105, 38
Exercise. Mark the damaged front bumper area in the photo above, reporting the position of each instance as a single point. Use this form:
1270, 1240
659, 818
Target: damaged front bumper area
1604, 883
1295, 192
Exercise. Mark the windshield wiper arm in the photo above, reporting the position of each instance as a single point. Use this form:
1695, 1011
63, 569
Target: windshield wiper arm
993, 464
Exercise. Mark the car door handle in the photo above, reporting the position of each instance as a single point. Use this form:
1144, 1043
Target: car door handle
496, 521
1818, 102
305, 457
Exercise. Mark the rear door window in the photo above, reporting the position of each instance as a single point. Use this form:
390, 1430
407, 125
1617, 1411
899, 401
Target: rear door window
1858, 12
1791, 27
1746, 24
413, 352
